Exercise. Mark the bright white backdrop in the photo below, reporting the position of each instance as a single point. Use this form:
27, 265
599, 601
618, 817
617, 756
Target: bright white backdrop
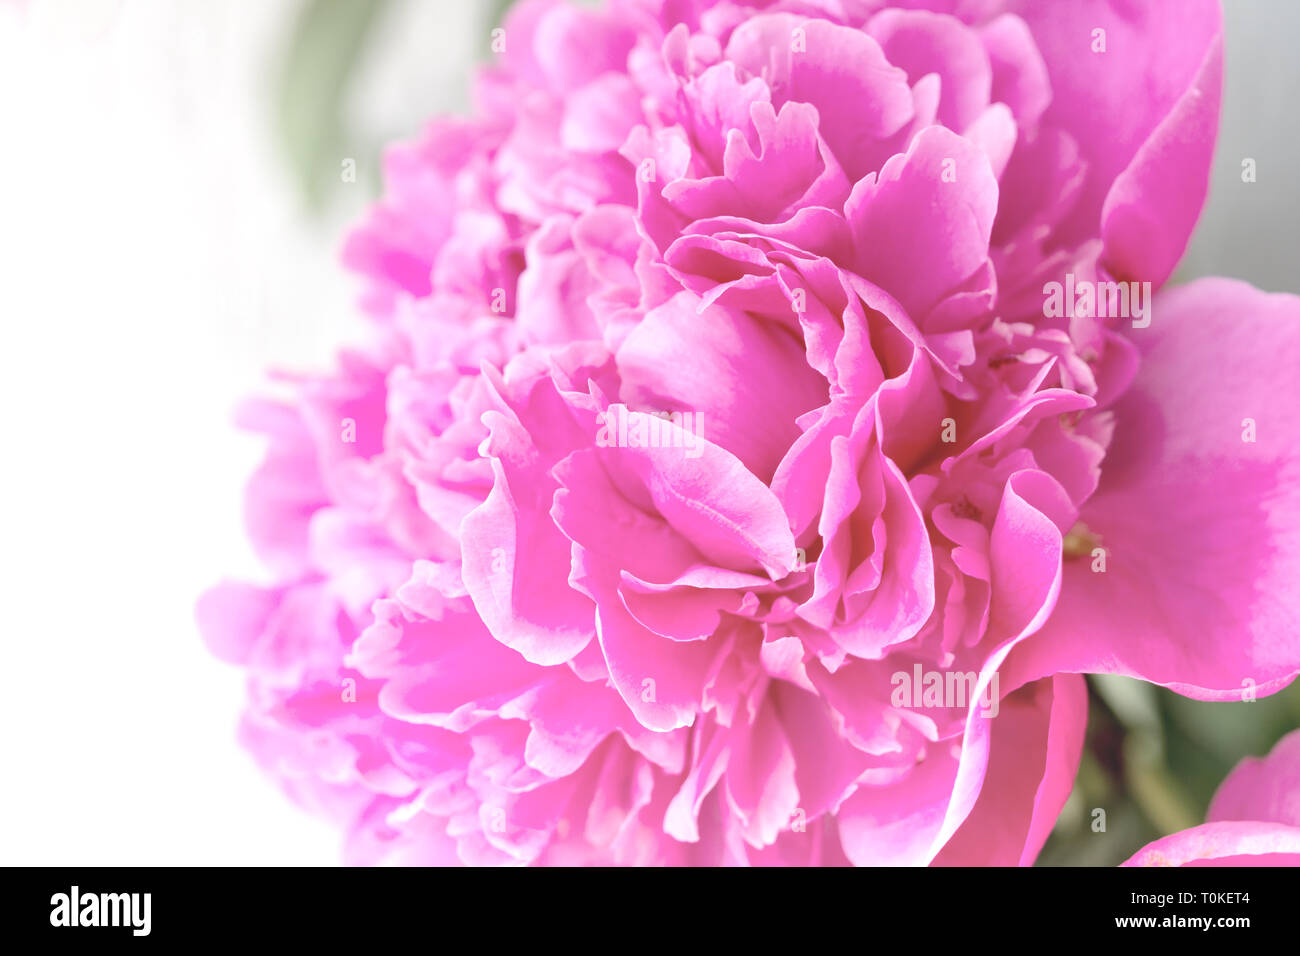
153, 259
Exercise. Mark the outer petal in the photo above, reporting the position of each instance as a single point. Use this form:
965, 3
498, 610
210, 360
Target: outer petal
1034, 754
232, 616
1153, 205
897, 825
1224, 844
1144, 113
1197, 509
1262, 788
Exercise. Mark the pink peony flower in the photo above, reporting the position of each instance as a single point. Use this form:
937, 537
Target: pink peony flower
1254, 819
728, 478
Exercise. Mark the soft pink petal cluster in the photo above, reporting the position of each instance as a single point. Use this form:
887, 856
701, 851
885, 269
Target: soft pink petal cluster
717, 487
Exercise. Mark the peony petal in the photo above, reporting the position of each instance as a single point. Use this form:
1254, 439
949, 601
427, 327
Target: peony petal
922, 228
861, 99
1037, 740
515, 561
1224, 844
1168, 50
745, 381
1196, 522
1262, 788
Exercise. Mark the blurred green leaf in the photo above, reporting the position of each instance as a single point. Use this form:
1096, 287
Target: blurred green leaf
1153, 759
1159, 794
1132, 701
499, 9
1235, 729
494, 16
324, 49
1206, 739
1126, 832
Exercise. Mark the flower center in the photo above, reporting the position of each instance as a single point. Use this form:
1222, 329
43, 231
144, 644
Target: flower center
1080, 542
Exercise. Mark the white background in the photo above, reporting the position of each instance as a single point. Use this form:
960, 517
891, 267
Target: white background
153, 259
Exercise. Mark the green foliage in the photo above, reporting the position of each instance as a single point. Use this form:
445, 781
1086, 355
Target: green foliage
324, 49
1152, 761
